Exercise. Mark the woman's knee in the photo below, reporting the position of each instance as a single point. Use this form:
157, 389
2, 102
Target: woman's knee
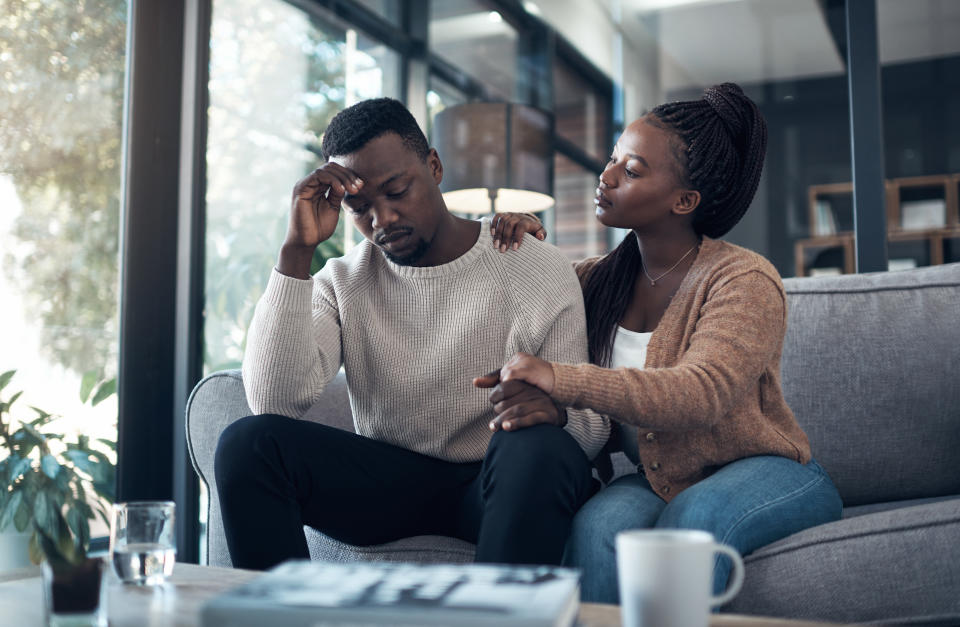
625, 504
755, 501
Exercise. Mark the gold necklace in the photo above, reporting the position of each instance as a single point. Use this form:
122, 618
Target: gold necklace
653, 281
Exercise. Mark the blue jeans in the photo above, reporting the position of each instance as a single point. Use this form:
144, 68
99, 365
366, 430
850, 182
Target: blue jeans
747, 504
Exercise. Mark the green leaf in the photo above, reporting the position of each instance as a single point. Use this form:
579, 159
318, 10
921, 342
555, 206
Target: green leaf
42, 416
5, 378
9, 512
80, 459
36, 554
21, 520
75, 520
111, 444
106, 389
50, 466
86, 384
38, 437
13, 399
19, 467
45, 515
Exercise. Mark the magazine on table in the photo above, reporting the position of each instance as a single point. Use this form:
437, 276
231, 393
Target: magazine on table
304, 593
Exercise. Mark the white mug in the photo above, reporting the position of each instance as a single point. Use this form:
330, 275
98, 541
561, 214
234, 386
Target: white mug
666, 577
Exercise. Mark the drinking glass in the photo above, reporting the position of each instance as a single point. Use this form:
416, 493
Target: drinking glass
142, 543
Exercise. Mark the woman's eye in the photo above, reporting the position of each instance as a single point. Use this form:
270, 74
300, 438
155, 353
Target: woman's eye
631, 173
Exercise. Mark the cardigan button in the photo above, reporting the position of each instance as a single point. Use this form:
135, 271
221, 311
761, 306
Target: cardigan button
651, 437
666, 489
655, 466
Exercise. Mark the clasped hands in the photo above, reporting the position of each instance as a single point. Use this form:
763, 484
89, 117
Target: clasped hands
520, 393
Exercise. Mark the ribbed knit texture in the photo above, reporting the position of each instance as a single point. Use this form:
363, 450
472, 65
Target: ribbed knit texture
411, 339
710, 391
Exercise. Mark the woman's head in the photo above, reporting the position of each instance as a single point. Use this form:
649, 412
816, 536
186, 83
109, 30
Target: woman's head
700, 170
718, 150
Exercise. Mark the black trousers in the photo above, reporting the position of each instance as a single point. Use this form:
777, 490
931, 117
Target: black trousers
276, 474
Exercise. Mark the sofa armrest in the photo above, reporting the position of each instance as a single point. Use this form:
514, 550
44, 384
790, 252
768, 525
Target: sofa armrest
218, 401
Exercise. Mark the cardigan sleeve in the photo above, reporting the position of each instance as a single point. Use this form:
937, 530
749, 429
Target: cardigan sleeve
739, 330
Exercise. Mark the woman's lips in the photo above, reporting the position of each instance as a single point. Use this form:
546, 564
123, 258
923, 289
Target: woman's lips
601, 200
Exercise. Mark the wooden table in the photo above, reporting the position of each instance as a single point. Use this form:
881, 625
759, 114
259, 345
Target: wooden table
177, 602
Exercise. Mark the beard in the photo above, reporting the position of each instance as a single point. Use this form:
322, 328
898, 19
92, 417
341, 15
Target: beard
410, 258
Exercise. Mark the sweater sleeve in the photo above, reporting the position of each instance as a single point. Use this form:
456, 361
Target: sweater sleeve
740, 328
293, 347
565, 341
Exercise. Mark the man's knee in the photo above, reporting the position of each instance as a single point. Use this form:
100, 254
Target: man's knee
239, 445
537, 463
538, 449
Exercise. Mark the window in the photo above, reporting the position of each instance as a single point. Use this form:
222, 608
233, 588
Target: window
476, 39
61, 99
277, 76
790, 59
582, 111
920, 65
576, 229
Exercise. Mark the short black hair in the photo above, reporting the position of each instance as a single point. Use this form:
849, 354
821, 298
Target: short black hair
352, 128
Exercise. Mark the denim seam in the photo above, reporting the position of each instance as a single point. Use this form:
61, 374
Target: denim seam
799, 491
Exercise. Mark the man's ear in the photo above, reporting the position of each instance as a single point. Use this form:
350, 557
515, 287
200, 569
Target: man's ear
435, 165
687, 202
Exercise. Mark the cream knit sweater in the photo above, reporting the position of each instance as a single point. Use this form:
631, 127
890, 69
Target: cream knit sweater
411, 339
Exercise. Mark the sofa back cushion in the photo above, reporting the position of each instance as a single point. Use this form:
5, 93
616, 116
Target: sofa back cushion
871, 369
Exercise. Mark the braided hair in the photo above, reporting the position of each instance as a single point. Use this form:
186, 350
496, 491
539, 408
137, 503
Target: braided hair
718, 144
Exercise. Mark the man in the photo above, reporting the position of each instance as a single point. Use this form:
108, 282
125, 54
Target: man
412, 314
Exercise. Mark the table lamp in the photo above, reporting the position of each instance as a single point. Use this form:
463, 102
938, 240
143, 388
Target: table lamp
496, 156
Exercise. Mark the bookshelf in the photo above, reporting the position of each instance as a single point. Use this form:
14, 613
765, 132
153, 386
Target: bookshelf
923, 225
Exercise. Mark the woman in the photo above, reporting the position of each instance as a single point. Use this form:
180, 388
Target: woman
686, 333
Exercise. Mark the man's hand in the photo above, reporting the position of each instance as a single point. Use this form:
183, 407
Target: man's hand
508, 229
519, 404
314, 213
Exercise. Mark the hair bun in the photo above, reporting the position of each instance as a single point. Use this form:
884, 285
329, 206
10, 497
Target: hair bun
733, 107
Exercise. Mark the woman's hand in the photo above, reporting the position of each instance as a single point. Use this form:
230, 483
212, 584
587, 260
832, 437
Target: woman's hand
519, 404
521, 367
508, 229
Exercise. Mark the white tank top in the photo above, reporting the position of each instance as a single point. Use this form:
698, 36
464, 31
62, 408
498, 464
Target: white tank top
629, 351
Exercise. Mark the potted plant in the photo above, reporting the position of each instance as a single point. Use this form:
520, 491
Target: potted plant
51, 483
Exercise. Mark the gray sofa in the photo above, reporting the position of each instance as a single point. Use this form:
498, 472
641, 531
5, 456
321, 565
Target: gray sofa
871, 367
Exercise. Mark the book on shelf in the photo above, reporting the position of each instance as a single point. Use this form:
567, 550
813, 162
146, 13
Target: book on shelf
923, 214
826, 223
304, 593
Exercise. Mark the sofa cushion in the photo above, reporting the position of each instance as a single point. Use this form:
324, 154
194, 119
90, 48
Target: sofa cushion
870, 367
890, 566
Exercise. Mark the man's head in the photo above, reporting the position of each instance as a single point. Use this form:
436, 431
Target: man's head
353, 127
400, 207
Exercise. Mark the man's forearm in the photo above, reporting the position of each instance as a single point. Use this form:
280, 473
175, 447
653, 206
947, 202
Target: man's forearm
294, 261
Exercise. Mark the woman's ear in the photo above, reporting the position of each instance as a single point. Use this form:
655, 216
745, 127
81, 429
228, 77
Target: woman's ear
687, 202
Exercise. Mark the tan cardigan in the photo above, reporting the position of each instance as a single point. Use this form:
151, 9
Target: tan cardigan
710, 390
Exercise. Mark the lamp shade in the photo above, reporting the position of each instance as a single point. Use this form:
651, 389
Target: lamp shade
496, 157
